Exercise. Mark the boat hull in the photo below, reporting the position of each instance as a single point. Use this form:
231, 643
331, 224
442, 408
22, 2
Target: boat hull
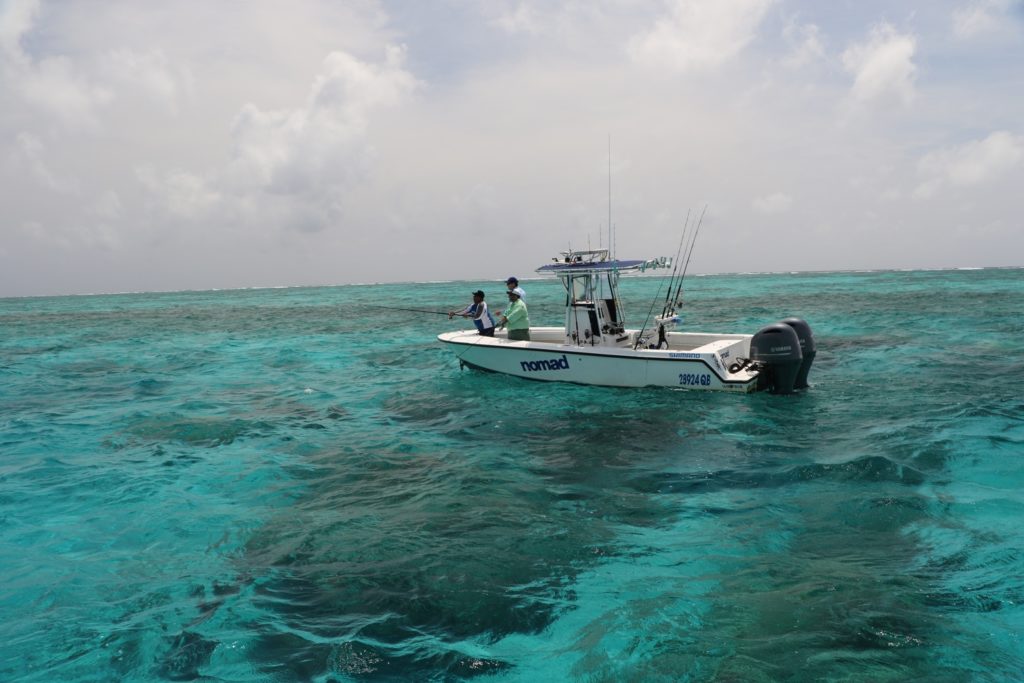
702, 368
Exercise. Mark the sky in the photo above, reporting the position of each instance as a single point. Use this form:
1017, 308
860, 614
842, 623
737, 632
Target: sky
198, 145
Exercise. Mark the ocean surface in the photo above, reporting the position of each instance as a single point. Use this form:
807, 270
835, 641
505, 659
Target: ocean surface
302, 485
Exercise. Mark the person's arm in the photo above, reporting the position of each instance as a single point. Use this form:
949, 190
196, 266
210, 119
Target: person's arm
464, 312
516, 312
502, 318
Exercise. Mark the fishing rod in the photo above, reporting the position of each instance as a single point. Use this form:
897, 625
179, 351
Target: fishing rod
675, 263
413, 310
640, 334
689, 253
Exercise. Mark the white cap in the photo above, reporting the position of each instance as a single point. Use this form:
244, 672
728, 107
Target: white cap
518, 291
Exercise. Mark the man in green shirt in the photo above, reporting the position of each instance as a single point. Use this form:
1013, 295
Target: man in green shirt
516, 317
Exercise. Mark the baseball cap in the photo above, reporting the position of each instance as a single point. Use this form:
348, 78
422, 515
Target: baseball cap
512, 281
478, 293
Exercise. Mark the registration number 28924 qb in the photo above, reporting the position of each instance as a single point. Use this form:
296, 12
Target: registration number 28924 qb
687, 379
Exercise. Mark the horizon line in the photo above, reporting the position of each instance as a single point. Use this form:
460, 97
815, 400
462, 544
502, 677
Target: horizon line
527, 279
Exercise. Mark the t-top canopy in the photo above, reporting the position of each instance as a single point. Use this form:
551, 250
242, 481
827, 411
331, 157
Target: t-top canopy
605, 266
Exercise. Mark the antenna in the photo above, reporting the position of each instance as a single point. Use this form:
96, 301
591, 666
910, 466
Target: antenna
611, 248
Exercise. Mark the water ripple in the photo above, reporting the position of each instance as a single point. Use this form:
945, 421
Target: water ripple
299, 485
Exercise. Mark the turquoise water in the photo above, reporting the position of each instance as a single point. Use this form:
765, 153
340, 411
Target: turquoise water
295, 484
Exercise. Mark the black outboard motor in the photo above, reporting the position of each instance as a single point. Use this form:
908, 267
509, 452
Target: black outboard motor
806, 337
776, 348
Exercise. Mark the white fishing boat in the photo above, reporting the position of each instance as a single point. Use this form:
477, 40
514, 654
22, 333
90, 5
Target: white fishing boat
594, 346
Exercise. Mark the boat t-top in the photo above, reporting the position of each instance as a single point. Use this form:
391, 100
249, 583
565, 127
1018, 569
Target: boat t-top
594, 346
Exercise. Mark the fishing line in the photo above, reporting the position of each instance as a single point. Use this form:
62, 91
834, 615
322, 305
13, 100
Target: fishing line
423, 310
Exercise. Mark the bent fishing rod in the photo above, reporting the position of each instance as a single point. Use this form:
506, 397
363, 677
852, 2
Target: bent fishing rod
412, 310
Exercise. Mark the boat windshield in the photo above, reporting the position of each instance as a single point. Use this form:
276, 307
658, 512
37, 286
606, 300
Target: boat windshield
589, 286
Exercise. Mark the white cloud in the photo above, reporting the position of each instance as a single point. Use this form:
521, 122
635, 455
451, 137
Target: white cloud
53, 84
16, 19
882, 66
973, 163
301, 145
699, 34
569, 22
523, 17
292, 167
351, 89
30, 153
55, 87
74, 233
981, 17
319, 147
107, 206
777, 202
54, 192
46, 235
806, 44
184, 195
150, 72
71, 92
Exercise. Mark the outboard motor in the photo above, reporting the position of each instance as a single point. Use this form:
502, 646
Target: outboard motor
806, 337
776, 348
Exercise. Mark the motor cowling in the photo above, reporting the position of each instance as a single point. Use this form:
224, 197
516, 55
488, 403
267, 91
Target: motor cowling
807, 347
776, 348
